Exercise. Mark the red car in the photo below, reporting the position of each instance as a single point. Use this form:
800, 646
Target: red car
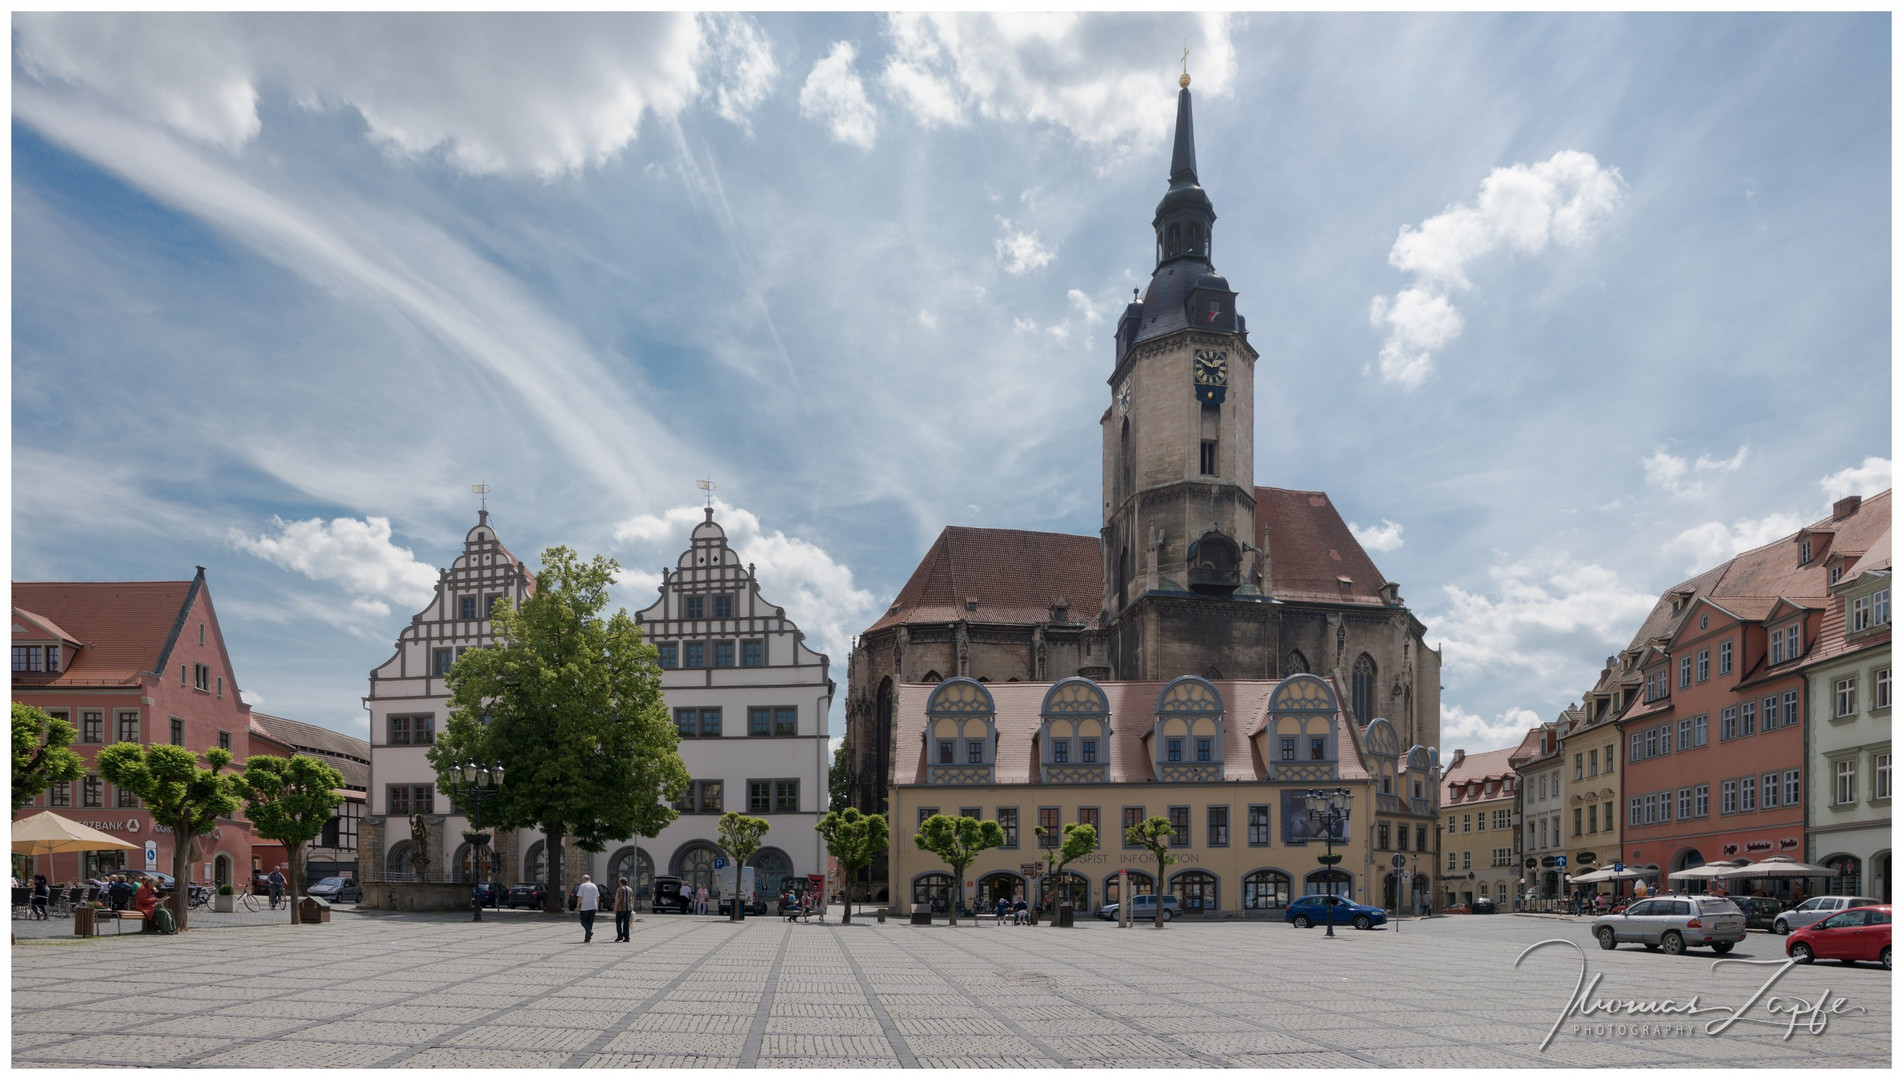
1849, 936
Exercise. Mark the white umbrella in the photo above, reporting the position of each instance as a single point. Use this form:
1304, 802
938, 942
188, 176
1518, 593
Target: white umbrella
1703, 872
48, 833
1779, 866
1609, 874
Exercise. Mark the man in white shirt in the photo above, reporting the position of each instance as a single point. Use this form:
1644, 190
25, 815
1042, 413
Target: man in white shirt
586, 900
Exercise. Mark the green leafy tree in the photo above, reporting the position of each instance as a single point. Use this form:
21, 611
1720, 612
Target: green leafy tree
839, 780
958, 841
41, 757
855, 839
569, 704
1079, 840
178, 794
1153, 835
290, 800
740, 839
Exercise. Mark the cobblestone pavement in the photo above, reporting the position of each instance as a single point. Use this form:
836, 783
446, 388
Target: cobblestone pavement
415, 991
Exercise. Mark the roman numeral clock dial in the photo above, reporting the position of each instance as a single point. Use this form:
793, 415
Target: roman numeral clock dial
1212, 376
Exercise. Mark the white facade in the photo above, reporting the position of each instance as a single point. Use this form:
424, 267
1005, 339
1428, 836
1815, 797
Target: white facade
408, 704
1543, 810
751, 701
1850, 747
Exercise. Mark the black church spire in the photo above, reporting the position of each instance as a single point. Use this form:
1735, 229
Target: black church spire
1183, 162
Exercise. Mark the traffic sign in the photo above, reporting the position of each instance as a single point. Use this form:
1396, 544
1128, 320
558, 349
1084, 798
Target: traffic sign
1618, 868
1559, 860
1398, 861
151, 854
720, 862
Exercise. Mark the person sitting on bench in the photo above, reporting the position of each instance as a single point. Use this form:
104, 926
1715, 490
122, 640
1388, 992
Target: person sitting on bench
146, 900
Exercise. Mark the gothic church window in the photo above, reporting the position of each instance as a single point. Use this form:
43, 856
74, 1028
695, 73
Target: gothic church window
1361, 688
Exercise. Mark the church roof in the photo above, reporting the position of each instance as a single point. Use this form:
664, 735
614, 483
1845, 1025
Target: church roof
1311, 551
124, 628
1012, 575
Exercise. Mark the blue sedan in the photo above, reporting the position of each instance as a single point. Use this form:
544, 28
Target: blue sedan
1312, 910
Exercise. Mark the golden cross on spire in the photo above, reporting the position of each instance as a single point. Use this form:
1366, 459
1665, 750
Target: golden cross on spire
1184, 81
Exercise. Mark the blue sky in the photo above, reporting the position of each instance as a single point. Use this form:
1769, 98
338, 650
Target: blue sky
1559, 310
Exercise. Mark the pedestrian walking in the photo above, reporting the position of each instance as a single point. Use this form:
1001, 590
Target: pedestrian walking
624, 910
700, 900
587, 899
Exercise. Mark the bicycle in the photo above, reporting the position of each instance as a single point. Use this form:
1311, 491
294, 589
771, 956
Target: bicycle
198, 895
247, 898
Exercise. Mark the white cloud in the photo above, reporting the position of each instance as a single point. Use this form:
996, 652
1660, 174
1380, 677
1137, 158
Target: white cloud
1095, 78
355, 554
928, 320
1020, 251
835, 96
1541, 615
1713, 542
1383, 537
816, 590
1677, 476
1521, 208
1866, 479
1476, 734
572, 94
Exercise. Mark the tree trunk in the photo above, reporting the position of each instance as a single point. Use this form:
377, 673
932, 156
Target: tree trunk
181, 873
958, 897
845, 919
556, 902
294, 848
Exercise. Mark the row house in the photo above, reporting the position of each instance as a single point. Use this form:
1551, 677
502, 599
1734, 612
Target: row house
1848, 695
142, 662
1228, 763
1480, 833
334, 852
1540, 766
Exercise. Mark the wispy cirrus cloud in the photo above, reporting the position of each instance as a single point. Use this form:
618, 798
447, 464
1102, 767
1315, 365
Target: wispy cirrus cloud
1675, 475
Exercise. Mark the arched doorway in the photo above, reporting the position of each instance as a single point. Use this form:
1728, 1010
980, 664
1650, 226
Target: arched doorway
635, 865
932, 892
1001, 883
1196, 891
1391, 892
535, 862
694, 865
771, 868
1265, 890
1338, 882
221, 869
1141, 884
1069, 881
396, 865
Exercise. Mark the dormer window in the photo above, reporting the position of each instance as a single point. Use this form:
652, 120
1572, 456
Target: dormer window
1189, 716
1836, 573
1784, 644
1803, 551
959, 711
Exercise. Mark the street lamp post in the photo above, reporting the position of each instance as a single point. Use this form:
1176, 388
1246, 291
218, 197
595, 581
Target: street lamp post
470, 785
1329, 811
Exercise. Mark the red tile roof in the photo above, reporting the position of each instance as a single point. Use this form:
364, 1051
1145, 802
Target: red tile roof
123, 627
1490, 765
1311, 550
1132, 716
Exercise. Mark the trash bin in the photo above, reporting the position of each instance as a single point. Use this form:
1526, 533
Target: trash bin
881, 914
313, 910
1063, 917
922, 918
83, 924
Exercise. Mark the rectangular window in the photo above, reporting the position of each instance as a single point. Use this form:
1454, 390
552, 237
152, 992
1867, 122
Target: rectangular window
441, 660
1685, 734
693, 607
26, 658
224, 740
92, 726
723, 654
1882, 699
1790, 787
670, 655
1381, 836
1860, 613
1218, 826
1093, 817
127, 800
759, 796
1208, 461
1173, 749
1880, 607
696, 654
1790, 709
1579, 767
1633, 813
1089, 749
1577, 821
1592, 763
687, 722
1288, 748
708, 797
178, 732
1050, 829
925, 812
723, 607
1847, 696
201, 677
1728, 797
1503, 819
1700, 729
1665, 807
786, 796
1684, 672
1592, 818
1704, 664
710, 723
1651, 742
753, 654
1701, 800
1728, 723
1401, 835
1649, 804
466, 606
129, 727
1770, 791
1466, 860
1132, 817
786, 720
1060, 751
1747, 794
1880, 776
399, 731
1665, 739
1467, 823
1318, 748
1777, 647
1420, 838
1846, 790
1724, 658
760, 721
947, 752
1684, 803
60, 794
1008, 821
1179, 826
405, 799
92, 793
1638, 747
1258, 826
1203, 749
974, 752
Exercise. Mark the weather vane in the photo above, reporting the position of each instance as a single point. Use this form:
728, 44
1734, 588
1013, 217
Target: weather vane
483, 489
708, 487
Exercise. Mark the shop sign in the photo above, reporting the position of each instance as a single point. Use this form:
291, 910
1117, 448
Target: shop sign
113, 826
1787, 843
1730, 849
1586, 858
1758, 845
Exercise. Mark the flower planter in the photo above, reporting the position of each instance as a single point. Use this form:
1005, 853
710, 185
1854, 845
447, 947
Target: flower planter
225, 904
83, 924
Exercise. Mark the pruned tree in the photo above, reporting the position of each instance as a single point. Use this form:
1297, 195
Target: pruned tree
1080, 839
178, 794
569, 703
958, 841
41, 754
855, 839
740, 839
1153, 835
839, 780
290, 800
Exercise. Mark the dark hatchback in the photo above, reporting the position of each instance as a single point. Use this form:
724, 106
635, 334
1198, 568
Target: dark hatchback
1760, 912
523, 894
487, 893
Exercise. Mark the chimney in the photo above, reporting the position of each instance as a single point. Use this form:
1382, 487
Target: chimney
1845, 507
1459, 756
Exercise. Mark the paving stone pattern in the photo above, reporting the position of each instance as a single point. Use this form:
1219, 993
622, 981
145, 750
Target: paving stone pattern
437, 991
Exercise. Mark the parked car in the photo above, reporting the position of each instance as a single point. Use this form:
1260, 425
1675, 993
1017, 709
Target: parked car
487, 893
1760, 912
1462, 908
526, 894
337, 890
1674, 923
1818, 908
1860, 933
755, 906
671, 894
1483, 906
1308, 911
1143, 906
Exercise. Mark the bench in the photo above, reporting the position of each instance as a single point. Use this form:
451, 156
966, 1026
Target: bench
120, 918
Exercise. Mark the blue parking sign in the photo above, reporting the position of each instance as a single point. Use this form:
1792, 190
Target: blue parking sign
720, 862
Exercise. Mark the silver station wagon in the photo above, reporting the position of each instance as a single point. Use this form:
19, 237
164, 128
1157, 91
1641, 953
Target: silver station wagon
1674, 923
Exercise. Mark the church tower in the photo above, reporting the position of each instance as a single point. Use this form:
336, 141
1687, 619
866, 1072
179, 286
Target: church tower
1183, 586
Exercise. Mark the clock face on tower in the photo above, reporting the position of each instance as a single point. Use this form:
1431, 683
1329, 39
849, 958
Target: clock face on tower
1212, 375
1123, 398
